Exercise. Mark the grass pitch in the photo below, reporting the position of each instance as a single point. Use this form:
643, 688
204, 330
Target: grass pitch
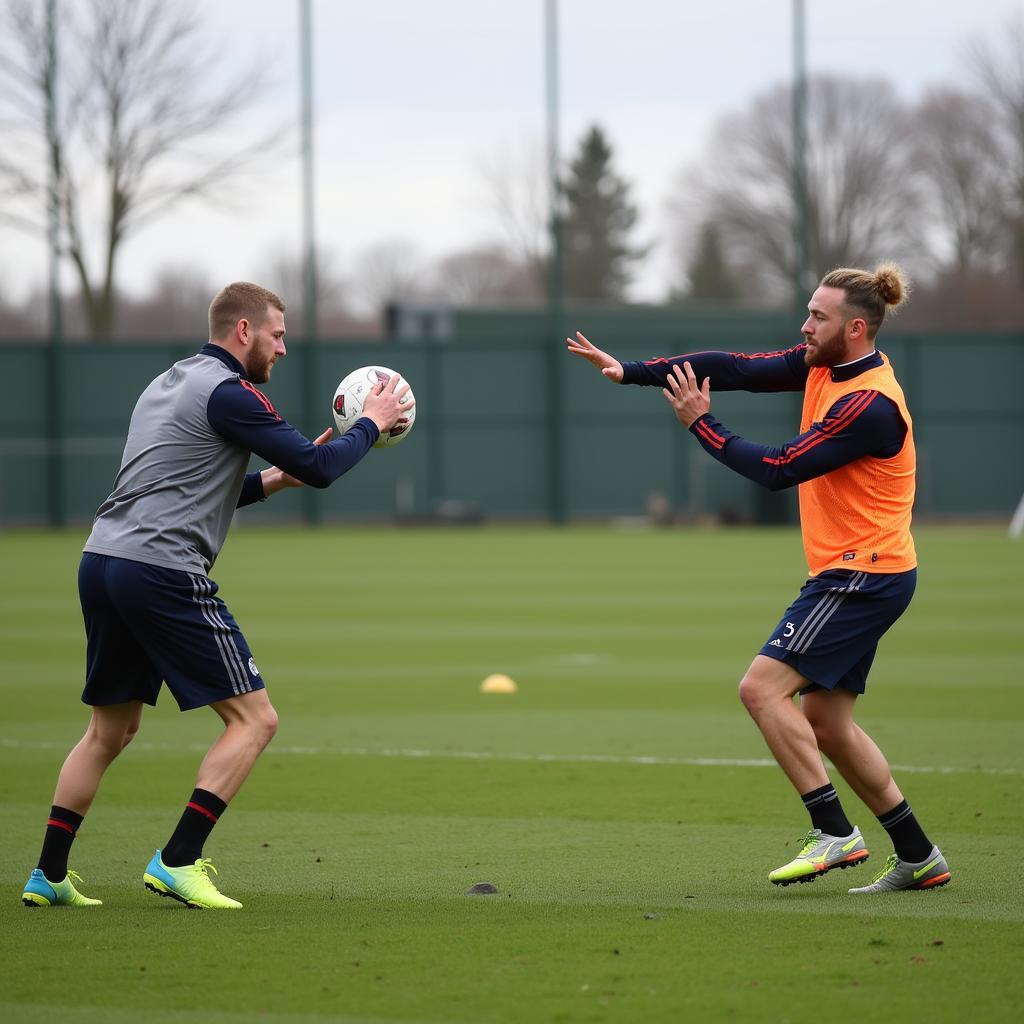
620, 802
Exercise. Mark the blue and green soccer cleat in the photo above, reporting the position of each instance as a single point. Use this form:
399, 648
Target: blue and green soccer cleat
899, 875
190, 884
41, 892
820, 854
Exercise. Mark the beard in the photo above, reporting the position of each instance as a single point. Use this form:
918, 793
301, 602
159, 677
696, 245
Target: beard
828, 351
258, 366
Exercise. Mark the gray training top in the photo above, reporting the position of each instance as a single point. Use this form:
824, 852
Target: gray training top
179, 481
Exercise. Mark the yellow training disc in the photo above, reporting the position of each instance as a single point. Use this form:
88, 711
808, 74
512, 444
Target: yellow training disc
498, 683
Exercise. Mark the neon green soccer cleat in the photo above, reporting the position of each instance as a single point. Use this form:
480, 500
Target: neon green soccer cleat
900, 875
41, 892
190, 884
820, 854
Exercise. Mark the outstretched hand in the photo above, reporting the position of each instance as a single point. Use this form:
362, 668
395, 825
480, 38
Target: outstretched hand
607, 364
687, 400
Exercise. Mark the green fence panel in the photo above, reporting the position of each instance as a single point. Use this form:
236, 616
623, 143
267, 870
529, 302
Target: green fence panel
504, 416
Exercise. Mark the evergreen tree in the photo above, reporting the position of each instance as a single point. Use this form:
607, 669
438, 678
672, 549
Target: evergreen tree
709, 274
597, 223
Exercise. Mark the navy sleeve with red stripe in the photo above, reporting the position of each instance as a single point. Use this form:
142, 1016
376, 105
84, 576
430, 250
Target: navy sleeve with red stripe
784, 370
864, 423
243, 414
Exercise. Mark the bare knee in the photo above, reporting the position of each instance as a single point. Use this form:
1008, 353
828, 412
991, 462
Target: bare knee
833, 731
826, 734
753, 693
768, 684
112, 728
107, 742
261, 725
748, 693
268, 724
131, 731
251, 714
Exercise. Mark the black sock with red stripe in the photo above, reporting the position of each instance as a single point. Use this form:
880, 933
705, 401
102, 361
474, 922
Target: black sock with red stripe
186, 844
61, 829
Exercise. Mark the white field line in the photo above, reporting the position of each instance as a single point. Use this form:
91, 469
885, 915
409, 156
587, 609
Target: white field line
490, 755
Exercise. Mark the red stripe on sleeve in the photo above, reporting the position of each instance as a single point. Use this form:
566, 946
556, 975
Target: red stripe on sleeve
735, 355
767, 355
262, 397
713, 439
845, 418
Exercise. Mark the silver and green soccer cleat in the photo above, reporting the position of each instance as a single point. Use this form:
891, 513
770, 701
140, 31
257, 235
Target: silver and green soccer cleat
898, 875
41, 892
190, 884
820, 854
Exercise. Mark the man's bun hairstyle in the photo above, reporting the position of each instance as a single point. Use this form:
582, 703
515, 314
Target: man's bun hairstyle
869, 295
893, 286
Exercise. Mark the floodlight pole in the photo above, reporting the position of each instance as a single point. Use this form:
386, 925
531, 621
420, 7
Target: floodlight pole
56, 419
801, 254
554, 363
309, 268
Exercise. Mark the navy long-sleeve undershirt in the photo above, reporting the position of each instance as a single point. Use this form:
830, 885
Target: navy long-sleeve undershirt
242, 414
863, 423
729, 371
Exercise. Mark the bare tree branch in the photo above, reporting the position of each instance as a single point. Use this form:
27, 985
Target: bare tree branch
998, 66
22, 222
137, 125
485, 273
862, 200
516, 183
959, 160
388, 271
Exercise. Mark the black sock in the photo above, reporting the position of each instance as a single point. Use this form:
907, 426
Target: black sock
907, 836
61, 829
826, 811
186, 844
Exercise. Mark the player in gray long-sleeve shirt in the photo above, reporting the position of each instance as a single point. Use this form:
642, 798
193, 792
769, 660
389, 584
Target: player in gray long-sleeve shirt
151, 611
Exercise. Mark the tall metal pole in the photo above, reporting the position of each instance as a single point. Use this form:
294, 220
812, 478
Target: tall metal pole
309, 280
58, 511
554, 363
801, 261
309, 268
777, 507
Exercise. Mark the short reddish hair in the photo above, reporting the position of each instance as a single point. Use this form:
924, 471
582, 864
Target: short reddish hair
241, 300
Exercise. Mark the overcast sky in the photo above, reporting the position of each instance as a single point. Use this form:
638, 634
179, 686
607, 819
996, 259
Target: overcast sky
414, 95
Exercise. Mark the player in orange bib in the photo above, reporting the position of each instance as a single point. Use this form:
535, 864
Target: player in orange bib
854, 464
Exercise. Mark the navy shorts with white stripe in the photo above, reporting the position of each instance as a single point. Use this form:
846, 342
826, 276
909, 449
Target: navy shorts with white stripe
829, 634
146, 624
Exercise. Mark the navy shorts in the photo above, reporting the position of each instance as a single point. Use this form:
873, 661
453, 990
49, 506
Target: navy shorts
146, 624
829, 634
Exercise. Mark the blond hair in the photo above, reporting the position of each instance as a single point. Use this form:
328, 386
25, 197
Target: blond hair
241, 300
869, 295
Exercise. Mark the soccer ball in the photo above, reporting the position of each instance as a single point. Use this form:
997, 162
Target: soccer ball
351, 394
